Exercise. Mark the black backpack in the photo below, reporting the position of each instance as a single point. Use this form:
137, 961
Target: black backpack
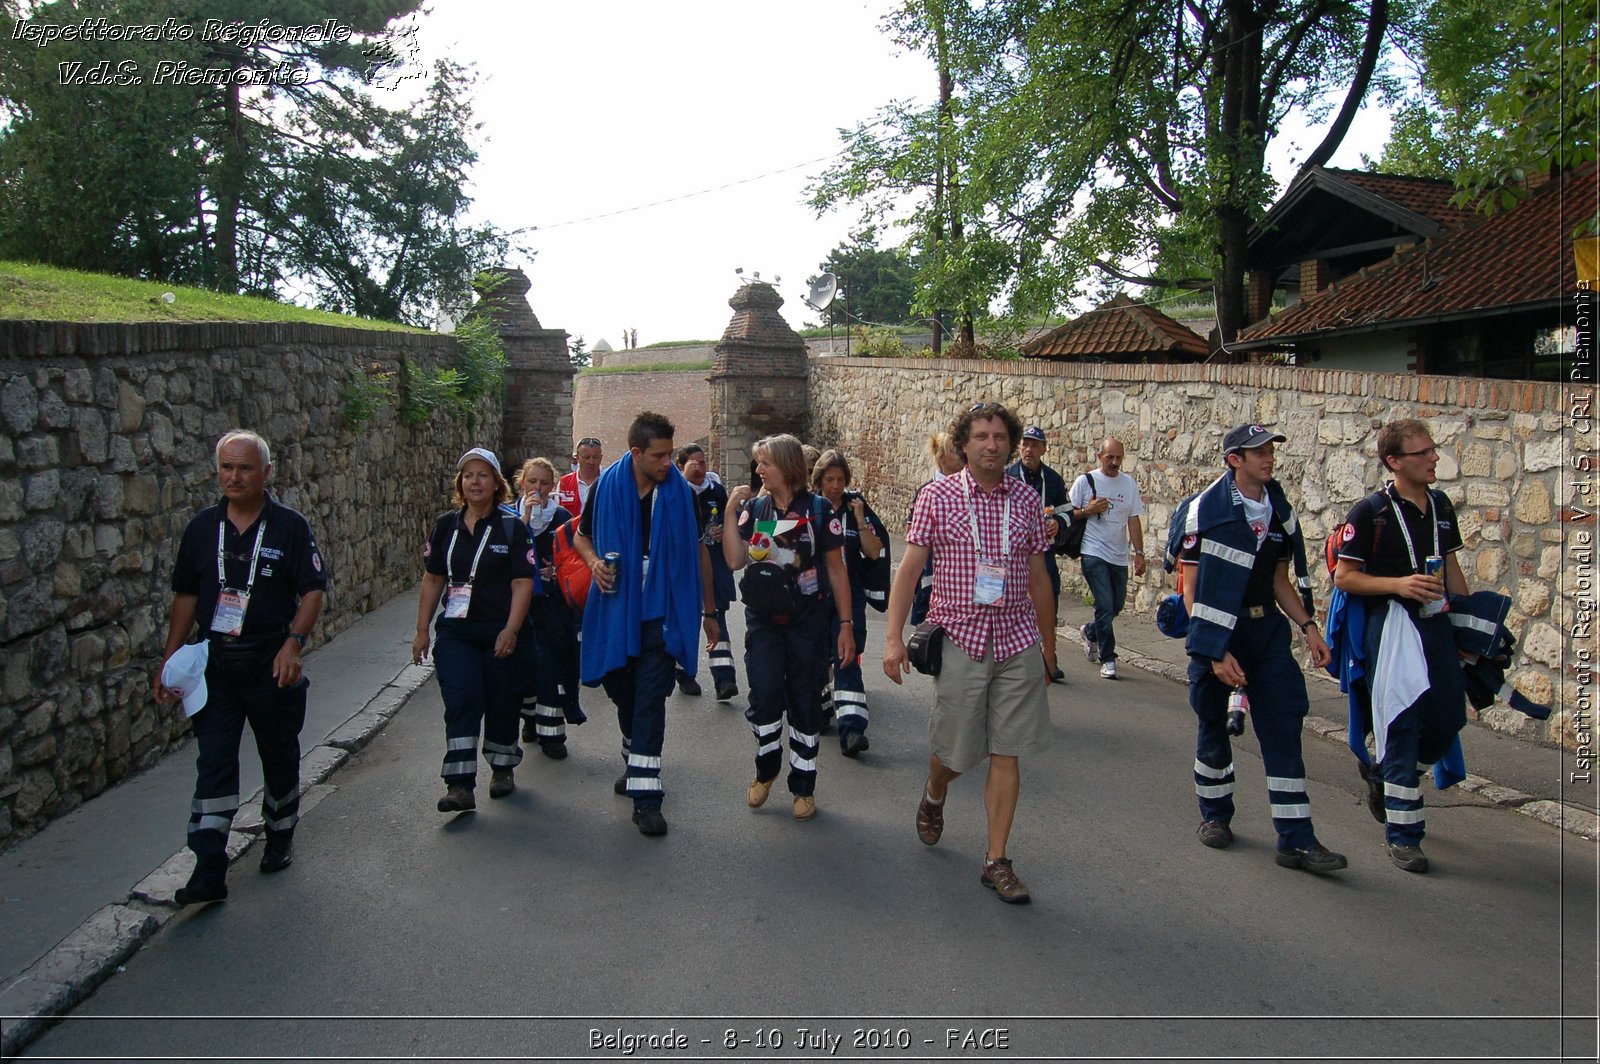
1071, 543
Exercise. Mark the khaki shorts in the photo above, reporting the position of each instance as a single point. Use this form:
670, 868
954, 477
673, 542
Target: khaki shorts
987, 707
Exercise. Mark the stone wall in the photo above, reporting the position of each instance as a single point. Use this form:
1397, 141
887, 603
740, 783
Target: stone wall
605, 404
1508, 462
107, 453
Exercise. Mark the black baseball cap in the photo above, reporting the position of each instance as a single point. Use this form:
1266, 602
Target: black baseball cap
1246, 437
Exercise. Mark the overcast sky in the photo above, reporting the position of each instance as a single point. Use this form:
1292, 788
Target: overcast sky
599, 108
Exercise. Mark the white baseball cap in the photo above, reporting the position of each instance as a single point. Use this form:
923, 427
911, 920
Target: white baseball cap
185, 673
483, 455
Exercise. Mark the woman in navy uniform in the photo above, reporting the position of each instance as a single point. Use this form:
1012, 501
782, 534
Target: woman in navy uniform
550, 694
785, 536
864, 542
482, 564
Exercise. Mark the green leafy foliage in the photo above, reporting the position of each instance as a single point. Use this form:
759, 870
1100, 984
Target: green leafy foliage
879, 284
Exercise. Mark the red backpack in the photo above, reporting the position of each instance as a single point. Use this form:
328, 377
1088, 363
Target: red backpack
572, 574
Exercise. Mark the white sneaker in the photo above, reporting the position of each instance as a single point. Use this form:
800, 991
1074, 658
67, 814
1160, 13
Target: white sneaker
1091, 650
1108, 671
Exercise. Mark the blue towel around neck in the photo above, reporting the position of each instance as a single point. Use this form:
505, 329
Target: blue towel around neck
611, 622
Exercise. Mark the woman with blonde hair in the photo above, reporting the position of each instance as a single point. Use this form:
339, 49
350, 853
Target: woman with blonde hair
947, 462
481, 563
550, 695
786, 537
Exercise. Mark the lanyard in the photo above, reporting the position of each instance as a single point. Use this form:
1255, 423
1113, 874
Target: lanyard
1005, 522
1405, 532
450, 552
255, 555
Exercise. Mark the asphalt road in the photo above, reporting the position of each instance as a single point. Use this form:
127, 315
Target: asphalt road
544, 927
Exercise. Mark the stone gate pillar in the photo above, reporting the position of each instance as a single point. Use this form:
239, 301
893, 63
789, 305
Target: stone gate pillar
758, 380
537, 421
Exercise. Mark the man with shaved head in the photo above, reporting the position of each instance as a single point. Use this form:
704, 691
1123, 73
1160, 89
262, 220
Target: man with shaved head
1109, 500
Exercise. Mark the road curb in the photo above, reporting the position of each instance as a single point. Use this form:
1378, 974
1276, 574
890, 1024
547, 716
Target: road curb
73, 968
1572, 819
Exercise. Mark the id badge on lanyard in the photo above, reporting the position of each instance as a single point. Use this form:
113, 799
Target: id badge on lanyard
989, 583
459, 596
989, 576
232, 602
229, 616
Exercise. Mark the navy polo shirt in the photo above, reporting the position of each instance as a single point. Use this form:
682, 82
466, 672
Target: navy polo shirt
1372, 537
504, 560
289, 566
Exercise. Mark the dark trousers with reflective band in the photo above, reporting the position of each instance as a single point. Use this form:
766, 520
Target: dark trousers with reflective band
640, 689
1278, 706
721, 657
554, 683
479, 690
1423, 733
786, 665
1109, 585
241, 690
849, 692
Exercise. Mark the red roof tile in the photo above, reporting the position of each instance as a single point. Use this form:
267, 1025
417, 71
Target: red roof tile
1420, 195
1521, 257
1119, 330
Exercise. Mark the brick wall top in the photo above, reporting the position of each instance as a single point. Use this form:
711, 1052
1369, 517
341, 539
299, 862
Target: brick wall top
45, 339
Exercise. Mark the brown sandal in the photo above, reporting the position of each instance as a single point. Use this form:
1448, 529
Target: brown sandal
930, 820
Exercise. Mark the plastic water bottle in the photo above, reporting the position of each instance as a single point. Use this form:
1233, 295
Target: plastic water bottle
1238, 706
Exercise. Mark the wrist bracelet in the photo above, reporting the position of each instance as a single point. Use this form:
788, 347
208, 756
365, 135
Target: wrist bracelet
1309, 623
708, 616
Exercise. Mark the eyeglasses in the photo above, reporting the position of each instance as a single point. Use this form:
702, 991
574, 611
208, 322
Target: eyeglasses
589, 441
1426, 452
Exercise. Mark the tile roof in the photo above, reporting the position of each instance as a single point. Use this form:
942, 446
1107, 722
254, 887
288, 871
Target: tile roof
1517, 258
1420, 195
1119, 330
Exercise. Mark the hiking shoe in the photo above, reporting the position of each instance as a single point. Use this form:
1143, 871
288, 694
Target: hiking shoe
554, 749
279, 853
727, 692
1000, 877
1374, 782
855, 744
200, 889
805, 807
1091, 649
621, 786
1315, 858
930, 819
1108, 670
1058, 676
1408, 858
650, 821
501, 783
457, 799
756, 793
689, 686
530, 734
1215, 834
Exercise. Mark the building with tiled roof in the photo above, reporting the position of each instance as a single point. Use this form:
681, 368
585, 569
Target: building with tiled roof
1332, 223
1120, 330
1483, 299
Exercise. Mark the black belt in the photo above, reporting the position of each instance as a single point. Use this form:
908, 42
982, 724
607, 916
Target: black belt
250, 642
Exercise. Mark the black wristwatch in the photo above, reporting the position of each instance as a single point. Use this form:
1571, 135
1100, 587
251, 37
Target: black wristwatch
298, 638
708, 616
1309, 623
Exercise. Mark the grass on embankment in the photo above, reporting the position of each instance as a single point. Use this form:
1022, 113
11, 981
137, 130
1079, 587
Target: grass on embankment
45, 293
648, 367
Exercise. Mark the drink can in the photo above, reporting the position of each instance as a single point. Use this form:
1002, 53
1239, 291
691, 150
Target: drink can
611, 558
1433, 565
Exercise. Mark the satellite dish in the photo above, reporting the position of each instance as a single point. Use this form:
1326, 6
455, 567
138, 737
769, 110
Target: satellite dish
822, 292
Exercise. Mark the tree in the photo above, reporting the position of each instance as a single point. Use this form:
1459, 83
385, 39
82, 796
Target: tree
880, 283
372, 200
578, 352
1089, 138
299, 178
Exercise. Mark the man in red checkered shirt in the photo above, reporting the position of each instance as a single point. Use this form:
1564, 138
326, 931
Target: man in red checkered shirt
991, 593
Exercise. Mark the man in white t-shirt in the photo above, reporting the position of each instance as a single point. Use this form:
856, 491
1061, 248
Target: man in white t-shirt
1109, 500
